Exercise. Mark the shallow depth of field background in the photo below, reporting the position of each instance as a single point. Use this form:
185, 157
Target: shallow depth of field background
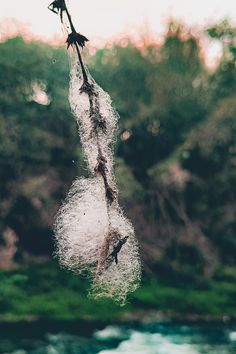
175, 92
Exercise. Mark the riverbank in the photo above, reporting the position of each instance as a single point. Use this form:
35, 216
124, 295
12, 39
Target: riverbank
43, 292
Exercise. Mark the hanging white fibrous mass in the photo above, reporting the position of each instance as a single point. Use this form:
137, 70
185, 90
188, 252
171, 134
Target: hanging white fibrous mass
92, 234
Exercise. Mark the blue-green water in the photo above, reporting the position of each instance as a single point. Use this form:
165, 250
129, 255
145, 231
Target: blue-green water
153, 338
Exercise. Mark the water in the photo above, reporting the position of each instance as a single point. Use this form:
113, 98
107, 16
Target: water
153, 338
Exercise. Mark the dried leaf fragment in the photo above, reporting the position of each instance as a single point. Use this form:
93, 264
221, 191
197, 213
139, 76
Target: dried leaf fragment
58, 7
76, 38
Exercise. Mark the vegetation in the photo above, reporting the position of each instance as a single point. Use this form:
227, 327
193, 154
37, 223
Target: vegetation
45, 291
175, 167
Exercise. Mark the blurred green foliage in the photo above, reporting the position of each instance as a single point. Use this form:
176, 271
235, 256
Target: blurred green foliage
45, 291
176, 158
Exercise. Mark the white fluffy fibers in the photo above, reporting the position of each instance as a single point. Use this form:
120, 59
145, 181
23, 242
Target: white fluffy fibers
92, 234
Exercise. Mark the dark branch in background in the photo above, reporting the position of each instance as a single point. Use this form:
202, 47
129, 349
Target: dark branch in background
78, 40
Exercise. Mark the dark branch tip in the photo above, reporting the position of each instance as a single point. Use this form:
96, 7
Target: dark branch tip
76, 38
57, 5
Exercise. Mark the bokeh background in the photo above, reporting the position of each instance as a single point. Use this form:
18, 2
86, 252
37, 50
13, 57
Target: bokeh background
172, 80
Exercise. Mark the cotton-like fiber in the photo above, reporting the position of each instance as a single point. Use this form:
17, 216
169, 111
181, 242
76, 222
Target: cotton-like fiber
92, 234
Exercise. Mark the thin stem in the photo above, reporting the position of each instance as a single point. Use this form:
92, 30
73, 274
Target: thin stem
85, 77
69, 19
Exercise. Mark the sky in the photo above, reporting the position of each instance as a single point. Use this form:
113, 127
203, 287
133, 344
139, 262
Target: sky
104, 19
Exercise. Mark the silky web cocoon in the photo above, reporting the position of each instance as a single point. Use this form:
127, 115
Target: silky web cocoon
89, 225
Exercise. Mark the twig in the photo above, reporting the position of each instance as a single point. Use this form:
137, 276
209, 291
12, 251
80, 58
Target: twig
98, 125
74, 38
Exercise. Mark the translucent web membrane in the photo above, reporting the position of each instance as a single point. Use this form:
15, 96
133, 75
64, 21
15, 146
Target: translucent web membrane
92, 234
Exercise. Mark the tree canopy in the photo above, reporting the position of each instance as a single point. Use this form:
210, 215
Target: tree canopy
175, 148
